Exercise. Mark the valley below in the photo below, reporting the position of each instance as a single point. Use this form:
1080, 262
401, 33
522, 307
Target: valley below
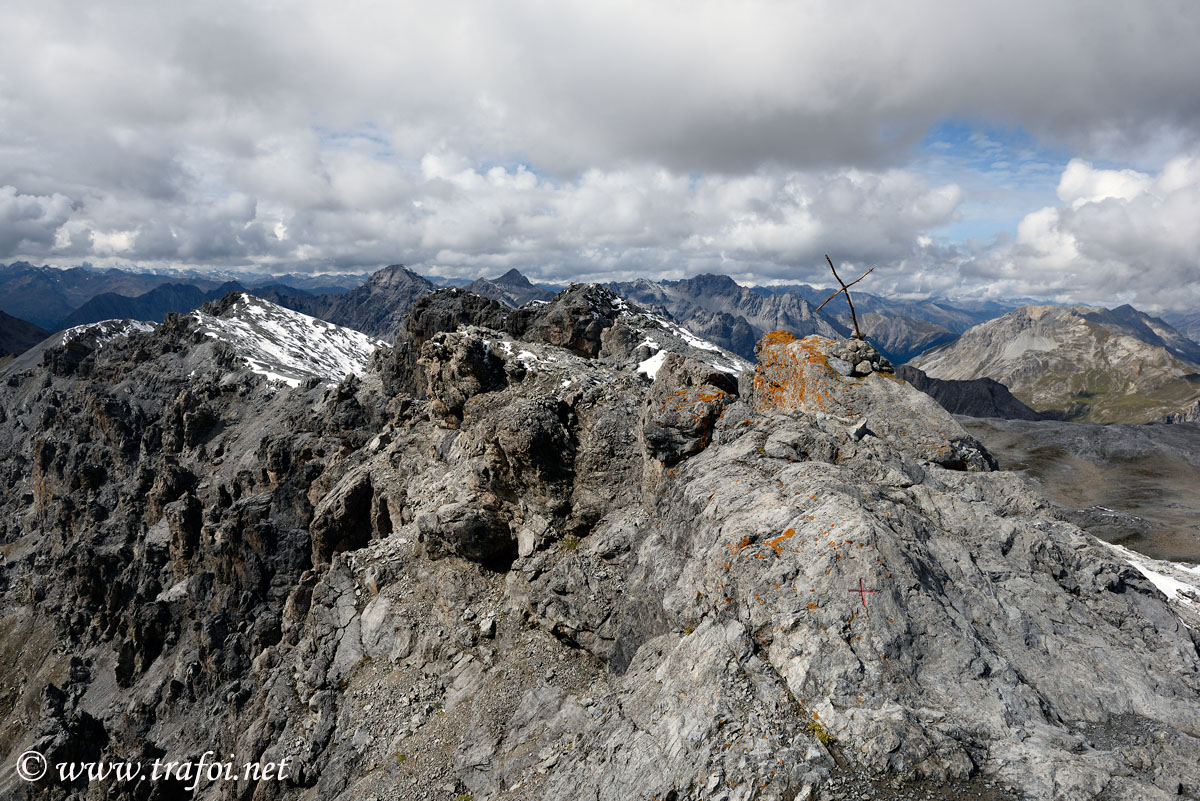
1132, 485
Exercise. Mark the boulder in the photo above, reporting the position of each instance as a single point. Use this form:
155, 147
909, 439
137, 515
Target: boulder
456, 368
475, 528
682, 407
342, 520
796, 375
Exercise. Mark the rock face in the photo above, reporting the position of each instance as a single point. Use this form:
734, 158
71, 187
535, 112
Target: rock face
979, 397
542, 560
1078, 362
813, 376
682, 408
1189, 415
377, 308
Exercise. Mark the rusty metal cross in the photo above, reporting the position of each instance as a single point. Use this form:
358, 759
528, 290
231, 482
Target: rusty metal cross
862, 593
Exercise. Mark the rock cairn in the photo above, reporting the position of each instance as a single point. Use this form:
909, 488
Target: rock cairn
857, 357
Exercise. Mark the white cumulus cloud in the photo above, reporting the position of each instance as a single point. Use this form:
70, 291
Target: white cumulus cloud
1119, 235
576, 139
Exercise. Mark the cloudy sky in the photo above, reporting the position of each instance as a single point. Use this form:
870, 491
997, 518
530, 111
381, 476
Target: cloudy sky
1040, 149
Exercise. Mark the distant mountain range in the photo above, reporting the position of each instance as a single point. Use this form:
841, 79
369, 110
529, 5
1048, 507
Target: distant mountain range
1078, 362
1062, 362
379, 306
715, 306
54, 298
735, 317
46, 296
712, 306
151, 306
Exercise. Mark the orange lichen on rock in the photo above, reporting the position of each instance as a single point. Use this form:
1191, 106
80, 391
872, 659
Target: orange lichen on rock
776, 338
710, 395
793, 374
777, 543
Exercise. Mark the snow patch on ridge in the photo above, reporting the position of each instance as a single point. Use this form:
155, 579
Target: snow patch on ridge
288, 346
651, 366
727, 363
684, 334
106, 330
1178, 581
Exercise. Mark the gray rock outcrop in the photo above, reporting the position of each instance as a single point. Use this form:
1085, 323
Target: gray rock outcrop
542, 561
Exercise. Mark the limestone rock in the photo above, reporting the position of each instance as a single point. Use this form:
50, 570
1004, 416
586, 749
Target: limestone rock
794, 375
342, 520
682, 407
457, 368
528, 578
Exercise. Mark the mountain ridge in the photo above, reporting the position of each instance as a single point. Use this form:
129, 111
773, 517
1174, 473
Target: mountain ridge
979, 397
18, 336
508, 554
512, 289
1077, 362
376, 308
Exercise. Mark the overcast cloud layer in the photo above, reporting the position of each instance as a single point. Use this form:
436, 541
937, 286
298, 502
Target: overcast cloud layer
604, 140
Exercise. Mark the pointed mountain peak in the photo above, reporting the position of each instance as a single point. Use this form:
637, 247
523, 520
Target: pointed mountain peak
397, 275
511, 289
513, 276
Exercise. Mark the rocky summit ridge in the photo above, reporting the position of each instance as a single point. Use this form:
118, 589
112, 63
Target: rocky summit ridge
522, 555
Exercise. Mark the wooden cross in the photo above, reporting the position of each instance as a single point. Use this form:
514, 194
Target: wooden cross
845, 289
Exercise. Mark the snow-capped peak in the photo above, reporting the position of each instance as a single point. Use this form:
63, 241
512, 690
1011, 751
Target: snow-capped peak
106, 330
288, 346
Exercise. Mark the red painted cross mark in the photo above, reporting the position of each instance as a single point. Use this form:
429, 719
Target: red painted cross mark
862, 593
